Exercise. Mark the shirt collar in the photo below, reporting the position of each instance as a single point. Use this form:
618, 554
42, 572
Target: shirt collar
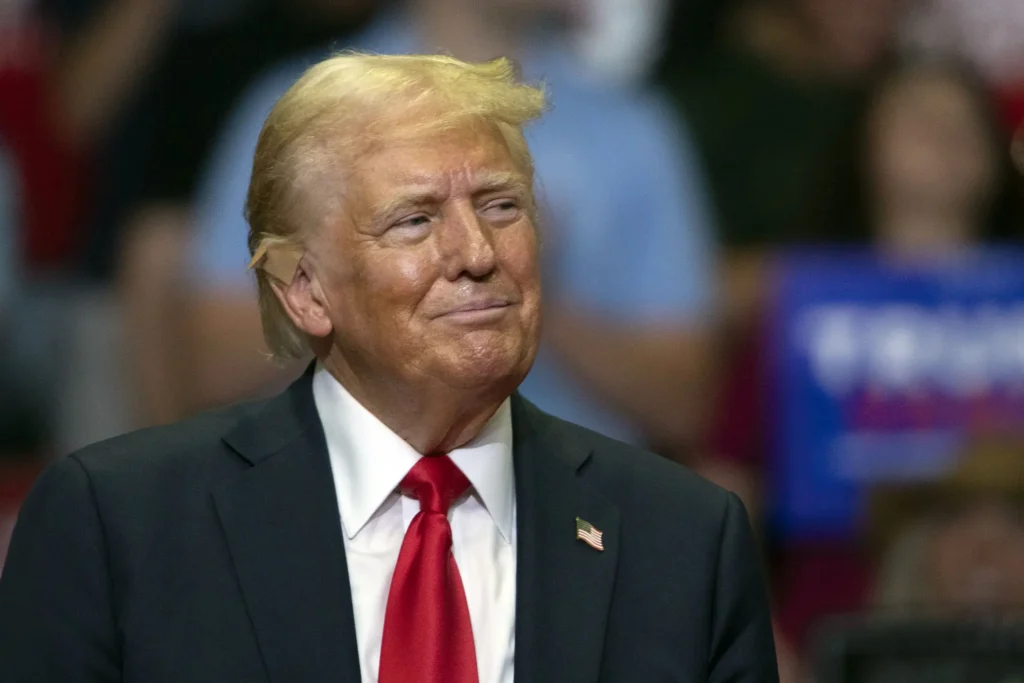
369, 460
487, 463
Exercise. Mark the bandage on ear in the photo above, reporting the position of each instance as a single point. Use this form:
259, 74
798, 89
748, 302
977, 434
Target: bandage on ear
280, 261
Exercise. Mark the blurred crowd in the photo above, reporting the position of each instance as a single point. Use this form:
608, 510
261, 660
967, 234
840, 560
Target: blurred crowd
689, 143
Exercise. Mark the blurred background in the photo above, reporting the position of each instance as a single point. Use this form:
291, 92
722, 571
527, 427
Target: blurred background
782, 246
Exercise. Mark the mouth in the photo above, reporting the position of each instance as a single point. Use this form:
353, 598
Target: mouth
478, 311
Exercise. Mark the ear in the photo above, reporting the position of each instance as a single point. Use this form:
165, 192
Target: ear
304, 302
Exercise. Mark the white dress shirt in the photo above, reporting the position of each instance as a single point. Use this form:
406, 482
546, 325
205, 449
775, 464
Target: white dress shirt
369, 461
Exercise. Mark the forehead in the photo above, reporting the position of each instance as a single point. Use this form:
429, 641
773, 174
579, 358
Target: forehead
456, 159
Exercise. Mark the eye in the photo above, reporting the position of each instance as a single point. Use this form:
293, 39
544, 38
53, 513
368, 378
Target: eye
414, 226
413, 221
505, 209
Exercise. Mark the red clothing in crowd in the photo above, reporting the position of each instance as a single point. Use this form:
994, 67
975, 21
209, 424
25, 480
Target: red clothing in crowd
49, 171
812, 579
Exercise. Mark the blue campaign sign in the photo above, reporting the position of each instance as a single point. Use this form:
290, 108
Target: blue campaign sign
878, 371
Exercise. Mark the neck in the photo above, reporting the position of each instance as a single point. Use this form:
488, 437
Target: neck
918, 232
467, 29
429, 415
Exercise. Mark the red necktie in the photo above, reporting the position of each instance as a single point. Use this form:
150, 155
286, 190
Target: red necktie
428, 637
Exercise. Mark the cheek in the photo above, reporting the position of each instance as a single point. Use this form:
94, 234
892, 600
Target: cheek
397, 280
518, 253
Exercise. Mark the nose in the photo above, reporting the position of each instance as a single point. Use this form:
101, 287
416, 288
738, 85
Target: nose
467, 243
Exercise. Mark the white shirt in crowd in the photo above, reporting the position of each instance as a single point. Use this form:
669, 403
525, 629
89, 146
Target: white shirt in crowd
369, 461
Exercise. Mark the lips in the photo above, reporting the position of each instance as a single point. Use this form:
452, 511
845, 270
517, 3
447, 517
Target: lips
478, 310
481, 304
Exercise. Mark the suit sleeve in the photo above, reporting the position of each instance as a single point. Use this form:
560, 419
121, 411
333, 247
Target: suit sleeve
742, 644
56, 617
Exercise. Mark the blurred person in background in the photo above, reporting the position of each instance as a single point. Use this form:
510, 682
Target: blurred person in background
922, 172
109, 107
766, 86
925, 176
954, 547
928, 177
124, 73
198, 82
626, 247
621, 39
21, 408
46, 164
37, 200
10, 262
39, 203
766, 102
106, 105
927, 173
687, 32
103, 57
1017, 146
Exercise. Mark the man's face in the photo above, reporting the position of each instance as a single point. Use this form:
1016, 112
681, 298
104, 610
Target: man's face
430, 270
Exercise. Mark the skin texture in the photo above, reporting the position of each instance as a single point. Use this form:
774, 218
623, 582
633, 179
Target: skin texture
421, 293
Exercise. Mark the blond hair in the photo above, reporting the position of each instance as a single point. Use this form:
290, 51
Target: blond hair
341, 108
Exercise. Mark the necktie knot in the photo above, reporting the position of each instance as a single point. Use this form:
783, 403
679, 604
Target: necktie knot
436, 482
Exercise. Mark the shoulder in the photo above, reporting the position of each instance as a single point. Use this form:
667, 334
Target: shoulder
629, 474
637, 480
182, 449
669, 518
147, 480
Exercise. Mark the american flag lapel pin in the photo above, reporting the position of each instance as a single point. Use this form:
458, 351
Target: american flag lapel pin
586, 532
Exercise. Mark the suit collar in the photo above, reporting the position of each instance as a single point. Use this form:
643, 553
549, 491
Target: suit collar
282, 528
487, 463
564, 586
274, 424
369, 460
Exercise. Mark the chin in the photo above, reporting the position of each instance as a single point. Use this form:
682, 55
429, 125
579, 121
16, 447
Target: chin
506, 376
496, 365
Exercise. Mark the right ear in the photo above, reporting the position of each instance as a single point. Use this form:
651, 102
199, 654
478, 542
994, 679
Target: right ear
303, 301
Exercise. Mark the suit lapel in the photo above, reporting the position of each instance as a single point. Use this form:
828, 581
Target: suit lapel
564, 586
282, 526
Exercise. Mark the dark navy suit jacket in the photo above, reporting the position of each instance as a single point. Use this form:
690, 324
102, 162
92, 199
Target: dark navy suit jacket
212, 551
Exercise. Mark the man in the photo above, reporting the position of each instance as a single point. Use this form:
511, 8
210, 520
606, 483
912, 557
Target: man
627, 260
399, 514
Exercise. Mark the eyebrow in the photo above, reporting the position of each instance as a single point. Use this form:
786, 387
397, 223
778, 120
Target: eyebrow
418, 193
492, 181
405, 200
